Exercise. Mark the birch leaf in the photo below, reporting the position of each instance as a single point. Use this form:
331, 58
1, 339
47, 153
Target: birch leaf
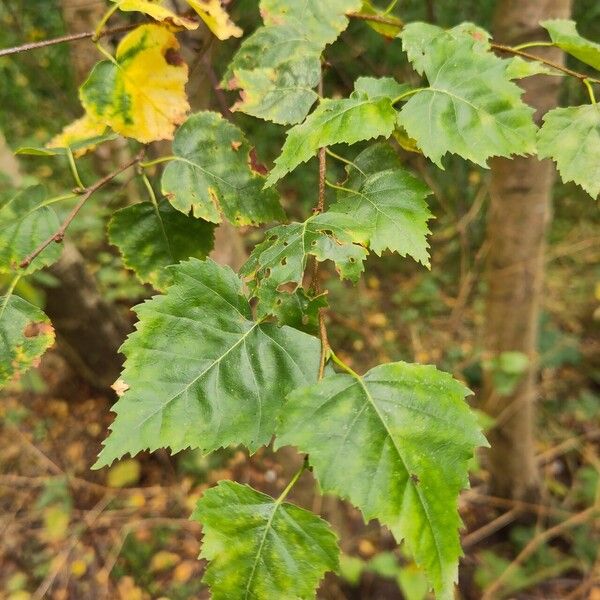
25, 222
261, 548
212, 175
201, 372
571, 137
25, 334
151, 238
563, 33
142, 94
396, 443
157, 11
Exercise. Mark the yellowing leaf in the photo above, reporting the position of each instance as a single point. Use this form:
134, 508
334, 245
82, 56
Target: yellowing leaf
124, 473
216, 18
157, 11
163, 560
142, 93
84, 133
56, 522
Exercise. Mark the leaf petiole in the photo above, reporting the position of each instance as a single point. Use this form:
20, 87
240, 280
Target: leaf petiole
292, 482
74, 171
590, 89
157, 161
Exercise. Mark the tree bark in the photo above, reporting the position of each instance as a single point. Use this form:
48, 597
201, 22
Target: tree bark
520, 211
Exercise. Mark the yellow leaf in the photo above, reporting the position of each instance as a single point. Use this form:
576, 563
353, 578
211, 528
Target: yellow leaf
216, 18
82, 133
141, 94
78, 568
56, 522
124, 473
157, 11
164, 560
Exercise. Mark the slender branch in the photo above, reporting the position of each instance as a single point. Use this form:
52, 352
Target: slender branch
59, 235
394, 21
517, 52
492, 591
73, 37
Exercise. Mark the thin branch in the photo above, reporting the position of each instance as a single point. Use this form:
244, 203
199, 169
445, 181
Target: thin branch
59, 235
517, 52
491, 591
73, 37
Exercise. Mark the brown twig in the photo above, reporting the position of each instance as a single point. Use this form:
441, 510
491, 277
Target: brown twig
72, 37
522, 53
492, 590
490, 528
59, 235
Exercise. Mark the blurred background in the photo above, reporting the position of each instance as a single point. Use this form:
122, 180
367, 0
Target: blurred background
123, 532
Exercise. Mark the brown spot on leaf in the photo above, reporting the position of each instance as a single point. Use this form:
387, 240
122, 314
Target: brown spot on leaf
120, 387
35, 329
236, 145
173, 57
255, 164
415, 479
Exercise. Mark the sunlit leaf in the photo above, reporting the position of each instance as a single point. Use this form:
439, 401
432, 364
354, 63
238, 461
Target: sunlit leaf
25, 334
201, 372
142, 94
563, 33
388, 30
396, 443
212, 174
151, 238
471, 107
157, 11
571, 137
25, 222
348, 121
261, 548
81, 136
216, 18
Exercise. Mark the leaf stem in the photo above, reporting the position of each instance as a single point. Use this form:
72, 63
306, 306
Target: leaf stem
104, 20
590, 89
292, 482
390, 7
74, 171
157, 161
9, 292
340, 188
340, 363
344, 160
532, 45
408, 93
105, 53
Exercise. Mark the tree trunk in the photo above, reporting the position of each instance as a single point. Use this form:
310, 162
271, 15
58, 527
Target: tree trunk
519, 214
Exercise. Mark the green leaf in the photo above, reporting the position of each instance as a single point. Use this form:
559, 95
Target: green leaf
277, 69
141, 94
471, 107
320, 21
283, 256
571, 137
25, 334
519, 68
25, 222
396, 443
212, 175
379, 87
201, 373
151, 238
563, 33
347, 121
262, 548
389, 202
